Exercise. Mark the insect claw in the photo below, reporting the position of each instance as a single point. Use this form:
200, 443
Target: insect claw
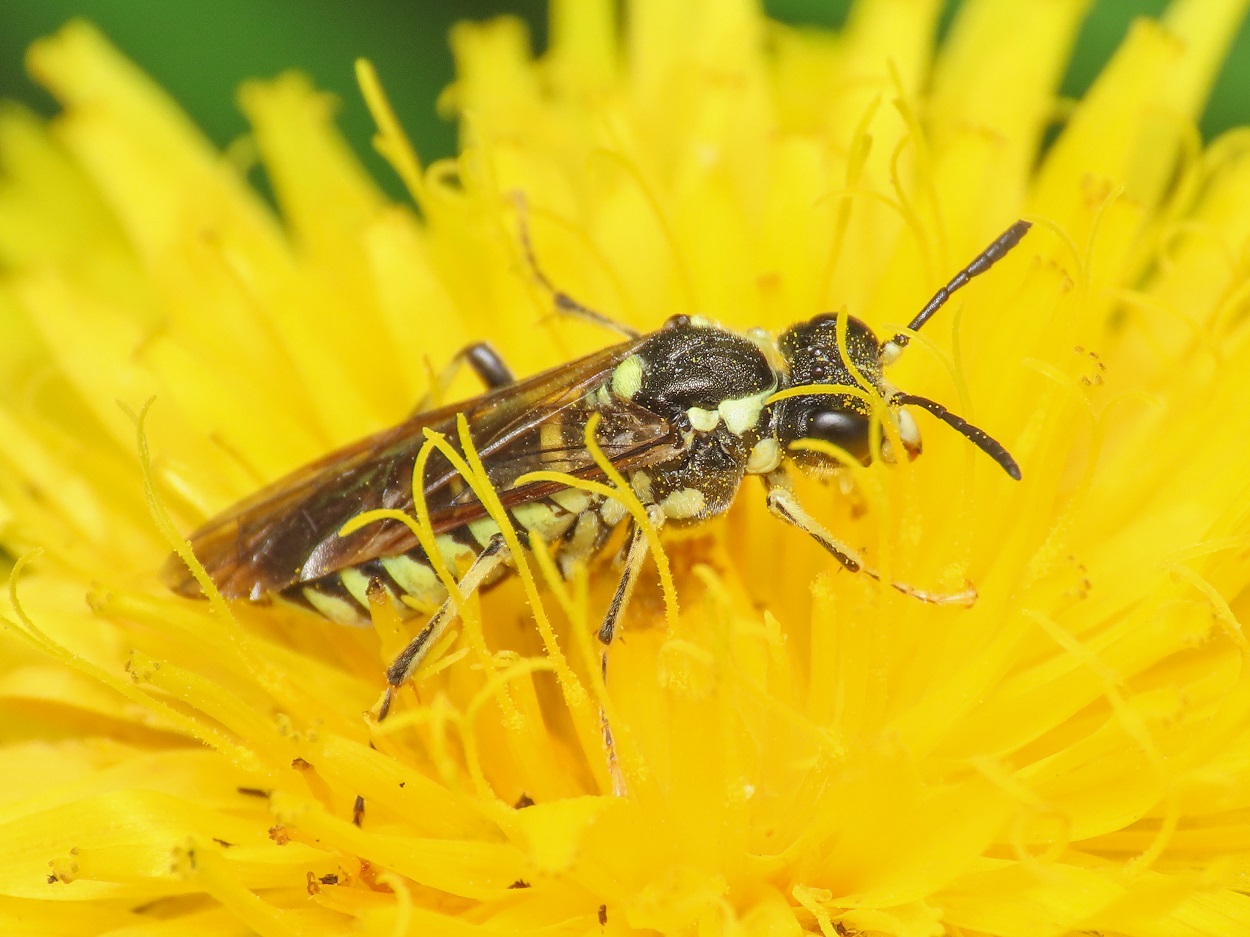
619, 787
966, 598
384, 707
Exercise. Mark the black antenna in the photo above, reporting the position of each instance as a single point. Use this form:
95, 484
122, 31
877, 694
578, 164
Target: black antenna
979, 437
984, 260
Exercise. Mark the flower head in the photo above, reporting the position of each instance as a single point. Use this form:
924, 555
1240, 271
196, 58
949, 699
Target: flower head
801, 749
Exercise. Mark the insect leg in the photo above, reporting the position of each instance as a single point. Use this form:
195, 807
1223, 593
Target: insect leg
565, 304
486, 363
405, 664
784, 504
635, 555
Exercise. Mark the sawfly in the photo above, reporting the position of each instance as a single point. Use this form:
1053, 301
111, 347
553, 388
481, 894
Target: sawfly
684, 414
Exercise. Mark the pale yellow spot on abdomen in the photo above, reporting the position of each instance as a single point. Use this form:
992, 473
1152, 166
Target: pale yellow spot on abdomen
612, 512
452, 551
572, 500
482, 530
357, 583
413, 576
337, 610
542, 520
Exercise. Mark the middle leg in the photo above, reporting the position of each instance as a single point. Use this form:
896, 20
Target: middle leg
494, 555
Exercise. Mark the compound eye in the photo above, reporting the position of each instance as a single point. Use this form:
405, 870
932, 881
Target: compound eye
846, 429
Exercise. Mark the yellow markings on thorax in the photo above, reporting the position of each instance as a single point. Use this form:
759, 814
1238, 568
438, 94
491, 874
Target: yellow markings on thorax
703, 420
740, 414
684, 504
612, 512
627, 378
641, 483
765, 456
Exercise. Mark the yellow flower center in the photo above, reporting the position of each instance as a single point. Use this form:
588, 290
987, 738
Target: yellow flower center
795, 749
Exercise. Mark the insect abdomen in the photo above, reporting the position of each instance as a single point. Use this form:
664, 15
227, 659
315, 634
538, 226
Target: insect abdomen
343, 597
413, 585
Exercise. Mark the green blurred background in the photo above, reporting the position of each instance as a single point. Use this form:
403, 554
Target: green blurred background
200, 51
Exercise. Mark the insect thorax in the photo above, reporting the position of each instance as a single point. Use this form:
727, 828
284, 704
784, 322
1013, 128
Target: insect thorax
711, 384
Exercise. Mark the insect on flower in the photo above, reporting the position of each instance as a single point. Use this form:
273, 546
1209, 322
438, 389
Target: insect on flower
685, 413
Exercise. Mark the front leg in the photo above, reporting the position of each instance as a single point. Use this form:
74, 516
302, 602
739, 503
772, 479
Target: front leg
784, 503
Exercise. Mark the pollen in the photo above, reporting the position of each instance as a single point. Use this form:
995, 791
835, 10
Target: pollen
789, 747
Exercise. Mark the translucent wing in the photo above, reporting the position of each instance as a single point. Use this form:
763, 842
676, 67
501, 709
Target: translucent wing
287, 533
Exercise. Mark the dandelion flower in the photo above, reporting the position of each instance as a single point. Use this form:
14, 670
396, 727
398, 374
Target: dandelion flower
803, 750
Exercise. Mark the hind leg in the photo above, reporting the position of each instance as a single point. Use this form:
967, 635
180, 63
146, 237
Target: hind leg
482, 359
564, 303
